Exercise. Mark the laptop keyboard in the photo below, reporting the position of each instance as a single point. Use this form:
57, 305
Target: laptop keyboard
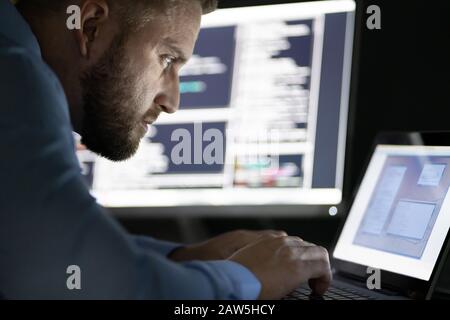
333, 293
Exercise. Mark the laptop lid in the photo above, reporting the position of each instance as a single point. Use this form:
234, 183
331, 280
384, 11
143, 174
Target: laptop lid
400, 217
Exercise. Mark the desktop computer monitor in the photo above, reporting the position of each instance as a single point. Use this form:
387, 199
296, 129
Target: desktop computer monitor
262, 119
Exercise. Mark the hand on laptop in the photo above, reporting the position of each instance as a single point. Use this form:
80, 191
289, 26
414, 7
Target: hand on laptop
222, 246
283, 263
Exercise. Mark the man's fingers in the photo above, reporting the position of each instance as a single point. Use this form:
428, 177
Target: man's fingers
253, 235
308, 244
319, 269
292, 241
319, 285
313, 263
277, 233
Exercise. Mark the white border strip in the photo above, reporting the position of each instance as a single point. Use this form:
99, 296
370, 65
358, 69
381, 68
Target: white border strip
218, 197
345, 100
265, 13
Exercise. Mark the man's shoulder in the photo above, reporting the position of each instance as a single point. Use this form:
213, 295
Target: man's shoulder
28, 86
10, 52
20, 62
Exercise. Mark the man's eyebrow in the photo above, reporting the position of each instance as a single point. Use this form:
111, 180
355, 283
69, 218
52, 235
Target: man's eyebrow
171, 44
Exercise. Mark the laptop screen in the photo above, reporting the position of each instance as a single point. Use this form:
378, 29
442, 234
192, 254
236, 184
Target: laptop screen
401, 214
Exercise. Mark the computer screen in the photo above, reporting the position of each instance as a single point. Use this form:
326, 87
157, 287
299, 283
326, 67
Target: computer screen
401, 215
262, 119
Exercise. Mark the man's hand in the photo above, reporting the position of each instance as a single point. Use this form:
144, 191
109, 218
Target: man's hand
222, 246
283, 263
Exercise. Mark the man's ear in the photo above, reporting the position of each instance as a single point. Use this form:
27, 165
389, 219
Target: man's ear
93, 14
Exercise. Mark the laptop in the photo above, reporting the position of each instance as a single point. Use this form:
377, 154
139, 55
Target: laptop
395, 238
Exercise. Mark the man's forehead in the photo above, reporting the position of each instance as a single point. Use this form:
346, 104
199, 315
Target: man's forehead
184, 21
182, 36
177, 31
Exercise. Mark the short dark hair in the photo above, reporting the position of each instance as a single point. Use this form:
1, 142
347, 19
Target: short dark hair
137, 15
56, 5
133, 16
209, 5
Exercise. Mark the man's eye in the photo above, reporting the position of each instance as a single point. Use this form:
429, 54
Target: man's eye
168, 61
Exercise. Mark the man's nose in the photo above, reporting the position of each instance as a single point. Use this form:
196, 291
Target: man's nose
168, 97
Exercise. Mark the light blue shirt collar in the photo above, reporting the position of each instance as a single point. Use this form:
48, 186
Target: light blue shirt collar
14, 27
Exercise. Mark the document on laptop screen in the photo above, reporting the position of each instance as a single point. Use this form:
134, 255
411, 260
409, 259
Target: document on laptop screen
401, 214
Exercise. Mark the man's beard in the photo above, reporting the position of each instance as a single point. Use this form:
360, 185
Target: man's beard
110, 106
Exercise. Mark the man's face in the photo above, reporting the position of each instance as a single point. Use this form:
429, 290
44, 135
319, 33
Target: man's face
136, 80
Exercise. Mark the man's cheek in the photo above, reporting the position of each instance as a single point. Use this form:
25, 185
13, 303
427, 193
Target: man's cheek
149, 91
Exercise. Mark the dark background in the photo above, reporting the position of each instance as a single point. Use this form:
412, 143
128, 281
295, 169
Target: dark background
401, 82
